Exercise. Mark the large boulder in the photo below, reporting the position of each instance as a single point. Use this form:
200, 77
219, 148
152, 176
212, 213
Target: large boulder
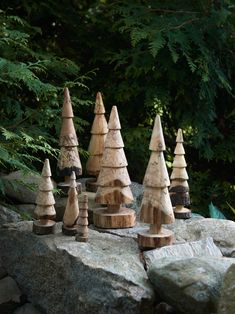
7, 215
60, 275
191, 285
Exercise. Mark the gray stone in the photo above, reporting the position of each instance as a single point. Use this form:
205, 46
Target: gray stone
222, 232
9, 290
191, 285
227, 299
26, 210
7, 215
60, 275
3, 272
205, 247
137, 191
26, 309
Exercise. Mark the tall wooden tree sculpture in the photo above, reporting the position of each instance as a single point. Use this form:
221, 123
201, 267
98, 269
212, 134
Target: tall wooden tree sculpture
72, 209
82, 229
45, 210
99, 131
113, 181
69, 160
179, 189
156, 207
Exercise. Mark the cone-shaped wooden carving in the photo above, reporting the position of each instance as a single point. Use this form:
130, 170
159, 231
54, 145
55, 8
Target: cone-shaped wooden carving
99, 131
156, 207
72, 209
82, 229
45, 210
69, 159
179, 190
113, 181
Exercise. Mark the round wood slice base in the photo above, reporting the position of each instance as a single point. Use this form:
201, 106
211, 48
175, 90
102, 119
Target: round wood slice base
69, 231
80, 238
185, 213
64, 187
91, 185
149, 241
43, 226
125, 218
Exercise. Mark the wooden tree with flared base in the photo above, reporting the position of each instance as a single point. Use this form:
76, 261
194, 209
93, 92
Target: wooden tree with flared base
113, 181
82, 230
99, 131
71, 213
179, 189
156, 207
45, 210
69, 159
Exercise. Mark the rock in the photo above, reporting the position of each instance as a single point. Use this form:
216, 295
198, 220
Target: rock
9, 290
164, 308
137, 191
60, 275
205, 247
222, 232
26, 309
227, 298
26, 210
7, 215
191, 285
3, 272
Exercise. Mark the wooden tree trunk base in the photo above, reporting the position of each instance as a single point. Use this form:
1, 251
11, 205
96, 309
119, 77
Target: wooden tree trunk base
124, 218
80, 238
44, 226
149, 241
64, 187
69, 231
91, 185
184, 213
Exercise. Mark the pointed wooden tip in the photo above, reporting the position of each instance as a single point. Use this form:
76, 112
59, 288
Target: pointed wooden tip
46, 171
67, 110
179, 137
73, 183
114, 123
157, 142
99, 105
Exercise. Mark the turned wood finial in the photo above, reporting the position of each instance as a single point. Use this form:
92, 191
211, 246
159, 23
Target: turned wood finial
157, 142
67, 110
82, 229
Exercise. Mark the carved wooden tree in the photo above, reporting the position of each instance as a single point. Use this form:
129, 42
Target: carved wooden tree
113, 181
45, 210
82, 229
99, 131
69, 160
72, 209
156, 207
179, 189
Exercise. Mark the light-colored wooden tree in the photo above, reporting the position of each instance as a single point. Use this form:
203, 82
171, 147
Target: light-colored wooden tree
69, 159
99, 131
179, 189
72, 209
114, 182
45, 210
82, 230
156, 207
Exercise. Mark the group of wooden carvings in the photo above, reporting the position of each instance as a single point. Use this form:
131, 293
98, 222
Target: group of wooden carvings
162, 200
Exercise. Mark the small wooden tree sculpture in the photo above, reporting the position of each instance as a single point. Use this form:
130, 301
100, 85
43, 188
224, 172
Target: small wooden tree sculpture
69, 160
99, 131
82, 230
72, 209
114, 181
179, 189
156, 207
45, 210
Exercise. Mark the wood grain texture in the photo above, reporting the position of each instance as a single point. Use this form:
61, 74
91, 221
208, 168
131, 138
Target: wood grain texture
148, 241
43, 226
82, 228
72, 208
124, 218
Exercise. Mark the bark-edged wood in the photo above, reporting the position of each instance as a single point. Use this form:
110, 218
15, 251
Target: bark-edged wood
43, 226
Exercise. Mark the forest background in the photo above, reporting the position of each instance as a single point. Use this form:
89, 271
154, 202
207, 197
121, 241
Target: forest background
173, 58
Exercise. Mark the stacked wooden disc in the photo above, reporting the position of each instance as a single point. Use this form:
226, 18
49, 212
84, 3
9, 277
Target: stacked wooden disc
113, 181
82, 229
71, 213
156, 207
45, 210
69, 159
179, 189
99, 131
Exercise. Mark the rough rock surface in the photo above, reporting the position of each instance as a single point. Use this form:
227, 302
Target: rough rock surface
104, 275
26, 309
191, 285
205, 247
7, 215
227, 298
9, 290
